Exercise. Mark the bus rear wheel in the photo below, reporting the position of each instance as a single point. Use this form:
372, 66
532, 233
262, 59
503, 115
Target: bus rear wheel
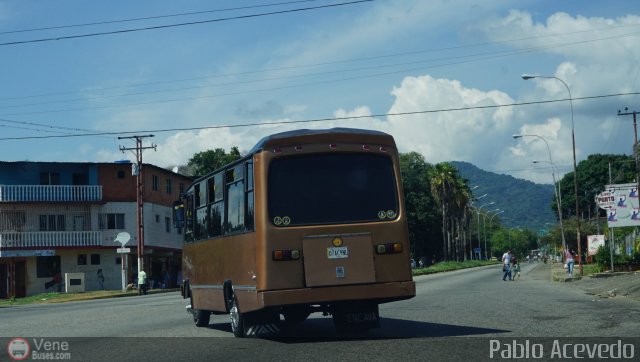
200, 317
237, 319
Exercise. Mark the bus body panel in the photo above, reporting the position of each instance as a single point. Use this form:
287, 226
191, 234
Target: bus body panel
208, 264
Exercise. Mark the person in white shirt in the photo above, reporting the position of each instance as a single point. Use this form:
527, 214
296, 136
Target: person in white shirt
506, 265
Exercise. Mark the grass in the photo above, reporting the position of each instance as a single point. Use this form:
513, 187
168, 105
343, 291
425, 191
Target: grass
63, 297
452, 265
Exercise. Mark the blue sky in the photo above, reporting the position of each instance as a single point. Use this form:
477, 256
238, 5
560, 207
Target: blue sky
360, 59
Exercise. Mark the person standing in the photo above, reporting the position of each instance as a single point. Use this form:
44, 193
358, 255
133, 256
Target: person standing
570, 261
142, 282
506, 265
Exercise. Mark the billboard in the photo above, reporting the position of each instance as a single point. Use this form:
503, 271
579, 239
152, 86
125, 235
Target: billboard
593, 243
621, 203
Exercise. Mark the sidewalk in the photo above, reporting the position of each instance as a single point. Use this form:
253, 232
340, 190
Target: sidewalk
621, 285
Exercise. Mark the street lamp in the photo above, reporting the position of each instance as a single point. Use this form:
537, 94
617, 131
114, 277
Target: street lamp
575, 169
484, 227
553, 175
478, 212
490, 220
558, 198
470, 244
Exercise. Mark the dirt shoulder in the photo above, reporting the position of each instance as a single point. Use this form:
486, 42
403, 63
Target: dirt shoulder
622, 285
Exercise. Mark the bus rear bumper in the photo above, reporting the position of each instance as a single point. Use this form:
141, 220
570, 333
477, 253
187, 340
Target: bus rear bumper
380, 292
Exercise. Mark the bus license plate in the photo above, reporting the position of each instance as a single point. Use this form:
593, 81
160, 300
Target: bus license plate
338, 252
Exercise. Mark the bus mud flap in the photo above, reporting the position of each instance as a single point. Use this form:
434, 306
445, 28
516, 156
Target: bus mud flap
261, 324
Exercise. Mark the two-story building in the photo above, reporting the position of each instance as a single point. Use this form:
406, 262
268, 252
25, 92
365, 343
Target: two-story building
61, 217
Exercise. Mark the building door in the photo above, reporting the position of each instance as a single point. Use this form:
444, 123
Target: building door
4, 280
20, 278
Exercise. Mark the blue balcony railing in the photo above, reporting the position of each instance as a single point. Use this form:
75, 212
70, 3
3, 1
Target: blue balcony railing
50, 193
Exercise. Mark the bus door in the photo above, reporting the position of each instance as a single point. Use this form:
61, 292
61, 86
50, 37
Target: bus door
338, 259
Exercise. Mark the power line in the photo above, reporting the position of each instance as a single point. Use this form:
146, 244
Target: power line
490, 56
153, 17
321, 119
349, 61
181, 24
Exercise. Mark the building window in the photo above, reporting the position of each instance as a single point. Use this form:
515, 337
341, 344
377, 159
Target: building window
157, 219
181, 188
52, 222
47, 266
95, 259
118, 260
167, 224
169, 187
82, 259
154, 182
120, 174
49, 178
111, 221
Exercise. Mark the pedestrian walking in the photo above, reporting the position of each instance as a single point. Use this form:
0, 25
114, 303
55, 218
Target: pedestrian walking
569, 256
506, 265
142, 283
515, 268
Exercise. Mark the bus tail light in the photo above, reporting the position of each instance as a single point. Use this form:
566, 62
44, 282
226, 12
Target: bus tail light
286, 254
333, 146
366, 148
389, 248
383, 149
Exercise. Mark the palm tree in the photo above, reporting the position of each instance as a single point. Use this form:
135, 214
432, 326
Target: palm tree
452, 195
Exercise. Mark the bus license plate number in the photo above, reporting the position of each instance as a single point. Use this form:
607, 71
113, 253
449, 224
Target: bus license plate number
338, 252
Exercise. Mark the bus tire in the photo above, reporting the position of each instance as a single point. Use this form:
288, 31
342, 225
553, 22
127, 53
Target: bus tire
201, 317
237, 319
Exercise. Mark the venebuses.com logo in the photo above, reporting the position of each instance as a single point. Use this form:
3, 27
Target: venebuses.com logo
18, 349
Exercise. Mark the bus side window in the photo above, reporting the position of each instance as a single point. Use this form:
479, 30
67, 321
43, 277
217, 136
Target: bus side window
249, 224
235, 201
188, 219
216, 208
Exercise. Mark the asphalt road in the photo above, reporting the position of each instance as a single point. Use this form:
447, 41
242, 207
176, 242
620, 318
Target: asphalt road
454, 316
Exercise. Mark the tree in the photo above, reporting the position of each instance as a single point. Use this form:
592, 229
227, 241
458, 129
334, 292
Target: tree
593, 175
422, 214
204, 162
452, 195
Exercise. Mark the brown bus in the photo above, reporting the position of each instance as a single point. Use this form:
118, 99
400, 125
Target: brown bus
308, 221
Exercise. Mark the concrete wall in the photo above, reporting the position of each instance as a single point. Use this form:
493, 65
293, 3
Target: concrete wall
69, 264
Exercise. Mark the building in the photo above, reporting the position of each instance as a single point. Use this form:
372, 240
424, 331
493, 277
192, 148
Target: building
58, 218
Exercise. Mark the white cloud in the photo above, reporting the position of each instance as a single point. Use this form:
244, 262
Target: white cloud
467, 135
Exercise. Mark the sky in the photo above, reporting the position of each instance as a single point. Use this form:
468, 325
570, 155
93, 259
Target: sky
444, 78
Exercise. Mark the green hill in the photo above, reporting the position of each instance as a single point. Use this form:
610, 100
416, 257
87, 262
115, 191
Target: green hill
525, 204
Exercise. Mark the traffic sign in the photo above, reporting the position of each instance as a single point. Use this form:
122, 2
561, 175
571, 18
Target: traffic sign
123, 250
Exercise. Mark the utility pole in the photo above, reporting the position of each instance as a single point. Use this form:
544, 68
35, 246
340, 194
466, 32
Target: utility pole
636, 149
137, 171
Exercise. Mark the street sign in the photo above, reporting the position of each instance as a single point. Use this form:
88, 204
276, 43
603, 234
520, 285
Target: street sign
123, 238
476, 250
123, 250
606, 200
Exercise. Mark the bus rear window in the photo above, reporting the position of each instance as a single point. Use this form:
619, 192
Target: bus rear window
331, 188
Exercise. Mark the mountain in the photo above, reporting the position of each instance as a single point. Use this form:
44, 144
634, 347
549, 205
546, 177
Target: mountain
525, 204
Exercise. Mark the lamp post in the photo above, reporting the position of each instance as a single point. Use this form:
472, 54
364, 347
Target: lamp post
470, 244
484, 228
490, 220
553, 175
575, 171
478, 212
558, 199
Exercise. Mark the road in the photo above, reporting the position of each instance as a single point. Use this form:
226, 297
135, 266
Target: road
453, 316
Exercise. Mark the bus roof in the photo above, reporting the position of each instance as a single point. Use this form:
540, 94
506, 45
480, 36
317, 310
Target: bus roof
323, 135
